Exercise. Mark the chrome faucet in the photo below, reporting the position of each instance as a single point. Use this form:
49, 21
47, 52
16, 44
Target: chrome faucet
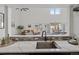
44, 37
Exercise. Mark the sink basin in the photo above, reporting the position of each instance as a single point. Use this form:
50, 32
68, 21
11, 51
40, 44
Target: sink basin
47, 45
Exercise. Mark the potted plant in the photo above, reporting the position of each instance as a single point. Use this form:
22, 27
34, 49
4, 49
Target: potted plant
5, 40
19, 29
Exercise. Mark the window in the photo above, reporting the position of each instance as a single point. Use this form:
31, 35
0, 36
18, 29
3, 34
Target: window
55, 11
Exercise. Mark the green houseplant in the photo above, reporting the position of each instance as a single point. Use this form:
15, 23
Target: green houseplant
5, 40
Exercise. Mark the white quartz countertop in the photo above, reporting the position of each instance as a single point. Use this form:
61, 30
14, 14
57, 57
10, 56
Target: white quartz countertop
30, 47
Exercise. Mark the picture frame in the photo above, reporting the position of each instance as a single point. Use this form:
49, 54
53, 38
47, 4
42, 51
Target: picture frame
1, 20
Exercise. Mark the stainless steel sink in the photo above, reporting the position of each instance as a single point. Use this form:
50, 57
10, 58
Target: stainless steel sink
47, 45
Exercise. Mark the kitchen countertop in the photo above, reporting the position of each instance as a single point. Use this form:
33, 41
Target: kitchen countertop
59, 35
30, 47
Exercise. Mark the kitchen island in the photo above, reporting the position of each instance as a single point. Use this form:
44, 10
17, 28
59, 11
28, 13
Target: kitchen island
29, 47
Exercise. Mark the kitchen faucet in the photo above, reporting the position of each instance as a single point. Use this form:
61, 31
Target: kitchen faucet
44, 37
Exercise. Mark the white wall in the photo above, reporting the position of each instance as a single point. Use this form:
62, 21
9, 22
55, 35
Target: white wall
2, 31
42, 15
76, 23
9, 20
